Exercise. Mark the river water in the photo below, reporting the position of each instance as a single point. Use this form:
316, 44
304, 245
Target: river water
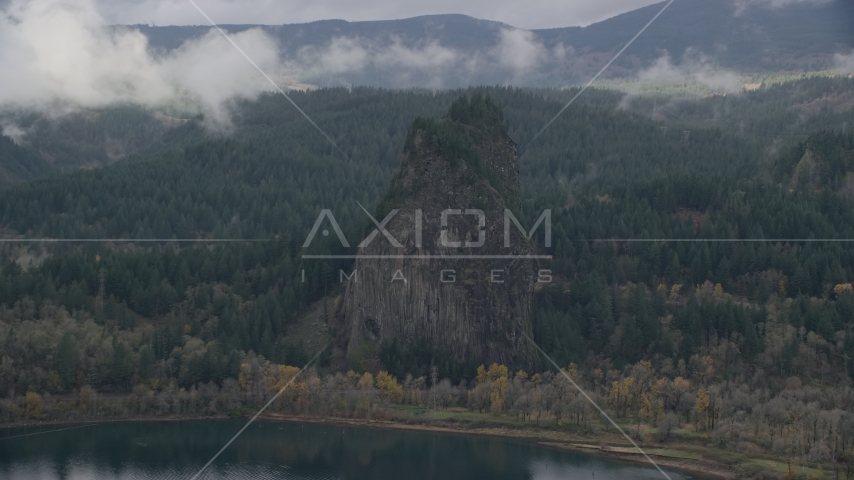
176, 450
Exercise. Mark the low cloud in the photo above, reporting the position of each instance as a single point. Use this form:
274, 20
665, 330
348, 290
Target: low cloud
56, 55
562, 52
13, 131
695, 66
742, 6
519, 51
626, 102
516, 55
403, 66
844, 63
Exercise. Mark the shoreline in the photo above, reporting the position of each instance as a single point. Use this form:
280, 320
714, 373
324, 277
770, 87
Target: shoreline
544, 439
700, 467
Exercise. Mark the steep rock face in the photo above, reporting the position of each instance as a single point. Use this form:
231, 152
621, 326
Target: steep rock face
472, 308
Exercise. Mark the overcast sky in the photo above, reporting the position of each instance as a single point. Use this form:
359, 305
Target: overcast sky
519, 13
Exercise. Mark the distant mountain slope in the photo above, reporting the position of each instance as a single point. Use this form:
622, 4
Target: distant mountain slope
800, 36
458, 31
773, 38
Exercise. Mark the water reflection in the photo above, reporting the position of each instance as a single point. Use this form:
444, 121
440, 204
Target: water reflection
160, 450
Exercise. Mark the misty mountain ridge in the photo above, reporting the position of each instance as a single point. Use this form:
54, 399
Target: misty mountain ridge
187, 70
439, 51
57, 115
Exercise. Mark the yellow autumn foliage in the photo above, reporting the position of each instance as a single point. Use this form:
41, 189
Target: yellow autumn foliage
389, 388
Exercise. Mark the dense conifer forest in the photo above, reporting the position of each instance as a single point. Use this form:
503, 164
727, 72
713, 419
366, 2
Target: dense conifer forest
701, 277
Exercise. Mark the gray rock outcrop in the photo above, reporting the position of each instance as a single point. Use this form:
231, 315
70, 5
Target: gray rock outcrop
415, 287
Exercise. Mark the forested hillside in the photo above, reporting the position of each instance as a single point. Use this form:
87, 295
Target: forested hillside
717, 186
55, 144
698, 263
824, 162
18, 164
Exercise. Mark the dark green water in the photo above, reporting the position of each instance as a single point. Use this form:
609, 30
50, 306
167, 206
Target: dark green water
166, 450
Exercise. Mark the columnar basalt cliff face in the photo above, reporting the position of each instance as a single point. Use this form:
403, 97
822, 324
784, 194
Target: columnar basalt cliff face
465, 168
